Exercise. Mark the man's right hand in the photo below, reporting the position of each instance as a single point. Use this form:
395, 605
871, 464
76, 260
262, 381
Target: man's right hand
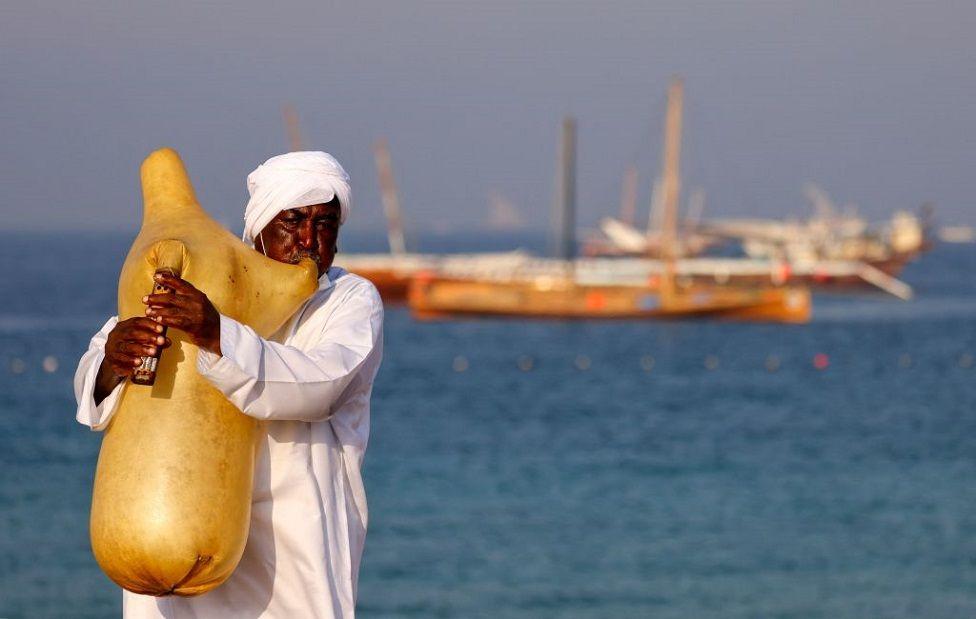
127, 343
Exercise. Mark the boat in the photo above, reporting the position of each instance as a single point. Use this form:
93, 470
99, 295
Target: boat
830, 249
828, 236
433, 297
620, 237
554, 289
391, 272
957, 234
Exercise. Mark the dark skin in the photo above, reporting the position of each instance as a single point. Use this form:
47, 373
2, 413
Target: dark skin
306, 232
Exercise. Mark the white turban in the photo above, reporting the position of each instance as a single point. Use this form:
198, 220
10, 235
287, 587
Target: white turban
290, 181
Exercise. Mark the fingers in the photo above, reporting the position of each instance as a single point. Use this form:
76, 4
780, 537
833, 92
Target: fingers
123, 366
173, 316
185, 308
124, 357
171, 281
173, 300
176, 306
138, 323
137, 349
193, 323
140, 329
135, 332
183, 294
130, 341
160, 300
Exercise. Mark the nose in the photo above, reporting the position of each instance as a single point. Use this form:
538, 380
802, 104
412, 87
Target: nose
306, 236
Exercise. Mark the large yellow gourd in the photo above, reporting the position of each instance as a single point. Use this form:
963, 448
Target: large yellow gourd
172, 494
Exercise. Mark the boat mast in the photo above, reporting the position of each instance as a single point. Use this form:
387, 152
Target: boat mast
653, 231
391, 201
628, 196
671, 185
564, 206
295, 142
696, 206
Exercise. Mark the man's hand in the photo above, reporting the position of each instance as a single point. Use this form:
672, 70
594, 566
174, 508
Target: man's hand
186, 309
127, 343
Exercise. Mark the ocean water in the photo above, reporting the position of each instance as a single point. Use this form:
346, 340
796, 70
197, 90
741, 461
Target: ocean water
551, 469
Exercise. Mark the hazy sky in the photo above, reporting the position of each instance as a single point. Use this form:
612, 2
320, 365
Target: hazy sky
875, 101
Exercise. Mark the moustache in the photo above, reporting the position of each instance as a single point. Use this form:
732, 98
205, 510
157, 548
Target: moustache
304, 254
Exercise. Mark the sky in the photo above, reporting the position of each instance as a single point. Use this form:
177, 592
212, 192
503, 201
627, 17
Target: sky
873, 101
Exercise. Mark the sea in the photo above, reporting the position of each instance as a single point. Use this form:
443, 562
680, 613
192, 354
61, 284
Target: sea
574, 469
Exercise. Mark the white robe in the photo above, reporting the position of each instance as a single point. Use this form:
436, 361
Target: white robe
310, 384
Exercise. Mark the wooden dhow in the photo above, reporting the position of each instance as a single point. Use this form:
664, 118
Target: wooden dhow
562, 295
433, 297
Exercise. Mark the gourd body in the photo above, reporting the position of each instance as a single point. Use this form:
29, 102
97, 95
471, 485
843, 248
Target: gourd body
172, 493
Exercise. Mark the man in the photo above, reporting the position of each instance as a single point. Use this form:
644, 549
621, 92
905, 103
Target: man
310, 384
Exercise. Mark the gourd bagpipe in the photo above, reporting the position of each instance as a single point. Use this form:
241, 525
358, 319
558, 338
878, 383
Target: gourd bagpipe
172, 493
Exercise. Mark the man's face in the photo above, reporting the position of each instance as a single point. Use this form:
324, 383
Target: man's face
305, 232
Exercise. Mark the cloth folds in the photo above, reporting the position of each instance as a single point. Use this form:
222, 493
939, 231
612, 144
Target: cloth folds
291, 181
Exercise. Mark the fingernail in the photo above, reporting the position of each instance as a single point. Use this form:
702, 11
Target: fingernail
152, 350
159, 328
145, 299
158, 276
160, 340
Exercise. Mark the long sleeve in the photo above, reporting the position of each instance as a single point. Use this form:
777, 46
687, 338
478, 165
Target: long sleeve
95, 416
273, 381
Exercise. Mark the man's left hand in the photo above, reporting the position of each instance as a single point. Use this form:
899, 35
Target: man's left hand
186, 309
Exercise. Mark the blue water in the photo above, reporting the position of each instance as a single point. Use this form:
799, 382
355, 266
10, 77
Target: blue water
573, 469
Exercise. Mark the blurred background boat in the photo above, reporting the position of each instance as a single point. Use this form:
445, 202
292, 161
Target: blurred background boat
553, 290
830, 250
957, 234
